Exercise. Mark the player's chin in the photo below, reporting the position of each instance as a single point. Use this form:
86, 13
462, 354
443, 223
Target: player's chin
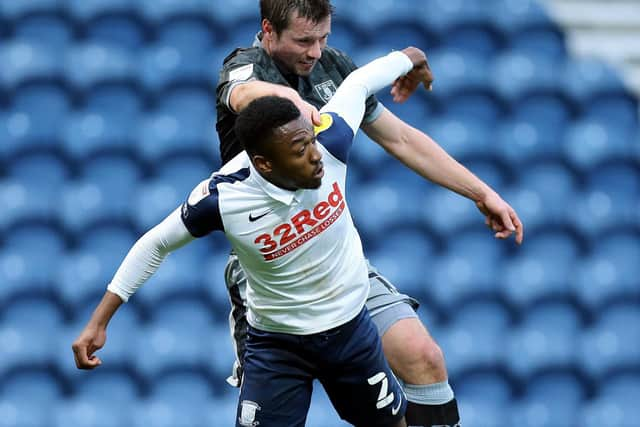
312, 183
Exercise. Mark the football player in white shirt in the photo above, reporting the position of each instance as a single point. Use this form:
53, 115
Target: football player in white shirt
282, 206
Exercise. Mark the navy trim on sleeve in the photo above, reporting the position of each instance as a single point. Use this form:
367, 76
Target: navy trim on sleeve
337, 138
204, 216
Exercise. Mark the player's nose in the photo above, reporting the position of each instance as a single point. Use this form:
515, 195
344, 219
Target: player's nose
315, 51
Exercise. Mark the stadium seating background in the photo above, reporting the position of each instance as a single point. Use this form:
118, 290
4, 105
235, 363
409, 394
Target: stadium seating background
107, 112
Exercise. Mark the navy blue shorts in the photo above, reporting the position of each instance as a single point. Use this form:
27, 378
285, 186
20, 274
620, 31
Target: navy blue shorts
279, 370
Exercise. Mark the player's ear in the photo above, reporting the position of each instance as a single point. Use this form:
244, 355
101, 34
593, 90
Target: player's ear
267, 29
262, 164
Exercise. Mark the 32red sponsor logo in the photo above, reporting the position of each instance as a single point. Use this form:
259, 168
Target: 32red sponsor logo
303, 226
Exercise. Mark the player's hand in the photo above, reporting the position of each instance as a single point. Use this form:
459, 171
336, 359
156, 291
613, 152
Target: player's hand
421, 73
501, 218
90, 340
308, 110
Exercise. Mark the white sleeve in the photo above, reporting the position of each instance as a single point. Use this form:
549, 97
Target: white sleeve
349, 100
147, 254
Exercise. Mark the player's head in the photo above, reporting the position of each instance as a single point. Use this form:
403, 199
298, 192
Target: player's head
281, 143
294, 32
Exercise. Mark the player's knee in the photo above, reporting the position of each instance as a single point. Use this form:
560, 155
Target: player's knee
423, 362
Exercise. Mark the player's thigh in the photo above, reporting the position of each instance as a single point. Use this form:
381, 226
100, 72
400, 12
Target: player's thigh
276, 384
385, 304
361, 386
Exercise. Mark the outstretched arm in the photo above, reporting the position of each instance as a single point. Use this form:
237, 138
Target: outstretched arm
141, 262
423, 155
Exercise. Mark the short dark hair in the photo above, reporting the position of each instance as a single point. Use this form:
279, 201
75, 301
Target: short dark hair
278, 11
255, 124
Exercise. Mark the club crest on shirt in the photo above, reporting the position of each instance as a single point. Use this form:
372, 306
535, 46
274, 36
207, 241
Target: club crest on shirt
326, 90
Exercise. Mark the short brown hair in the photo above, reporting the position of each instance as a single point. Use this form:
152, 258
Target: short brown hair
278, 11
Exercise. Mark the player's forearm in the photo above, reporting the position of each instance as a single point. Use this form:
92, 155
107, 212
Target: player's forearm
424, 156
105, 310
243, 94
147, 254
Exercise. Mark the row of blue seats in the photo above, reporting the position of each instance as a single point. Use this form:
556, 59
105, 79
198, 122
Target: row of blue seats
435, 15
583, 145
90, 412
162, 64
483, 334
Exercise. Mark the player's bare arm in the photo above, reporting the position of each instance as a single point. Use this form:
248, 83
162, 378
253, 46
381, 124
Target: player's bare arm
424, 156
242, 94
94, 335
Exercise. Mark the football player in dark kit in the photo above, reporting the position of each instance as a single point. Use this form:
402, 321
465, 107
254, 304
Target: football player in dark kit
290, 58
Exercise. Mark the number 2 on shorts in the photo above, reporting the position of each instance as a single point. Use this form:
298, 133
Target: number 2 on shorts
384, 399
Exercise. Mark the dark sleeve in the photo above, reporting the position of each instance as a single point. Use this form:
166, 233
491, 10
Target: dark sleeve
337, 138
201, 212
230, 74
345, 65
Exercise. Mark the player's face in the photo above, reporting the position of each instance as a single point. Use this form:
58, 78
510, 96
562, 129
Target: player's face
299, 47
295, 159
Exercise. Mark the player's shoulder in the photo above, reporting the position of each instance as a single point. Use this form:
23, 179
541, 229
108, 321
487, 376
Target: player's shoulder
336, 56
245, 55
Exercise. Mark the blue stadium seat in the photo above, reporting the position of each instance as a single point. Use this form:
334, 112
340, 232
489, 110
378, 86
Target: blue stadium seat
540, 39
87, 10
610, 200
182, 386
615, 405
494, 174
25, 61
117, 386
34, 386
550, 400
515, 74
89, 411
34, 122
587, 79
474, 341
403, 257
612, 343
549, 110
480, 103
545, 340
415, 111
520, 140
18, 9
393, 33
154, 200
25, 412
476, 36
39, 167
391, 199
459, 71
213, 273
185, 171
157, 13
542, 269
462, 136
122, 30
589, 142
102, 195
618, 109
163, 134
161, 349
610, 271
513, 16
85, 271
366, 154
94, 63
169, 413
171, 62
479, 384
467, 269
27, 247
190, 312
540, 196
25, 347
51, 29
483, 411
446, 212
